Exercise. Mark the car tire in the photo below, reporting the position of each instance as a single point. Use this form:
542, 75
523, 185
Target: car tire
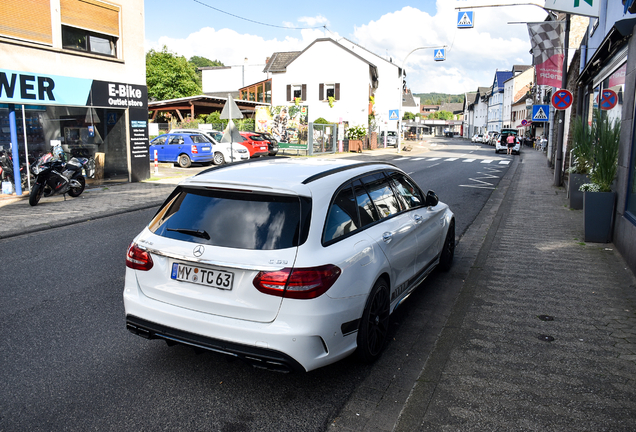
219, 159
374, 324
184, 161
448, 250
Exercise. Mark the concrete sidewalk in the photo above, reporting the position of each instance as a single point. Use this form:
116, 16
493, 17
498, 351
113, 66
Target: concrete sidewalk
543, 333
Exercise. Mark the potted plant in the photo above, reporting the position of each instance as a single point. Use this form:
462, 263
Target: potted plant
598, 198
356, 135
582, 137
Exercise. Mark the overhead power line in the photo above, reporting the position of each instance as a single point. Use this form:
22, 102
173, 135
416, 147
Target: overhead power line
258, 22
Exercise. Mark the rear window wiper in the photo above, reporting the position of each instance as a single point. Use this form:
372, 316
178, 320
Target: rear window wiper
196, 233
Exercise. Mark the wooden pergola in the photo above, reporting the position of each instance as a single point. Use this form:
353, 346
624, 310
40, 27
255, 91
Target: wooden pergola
201, 104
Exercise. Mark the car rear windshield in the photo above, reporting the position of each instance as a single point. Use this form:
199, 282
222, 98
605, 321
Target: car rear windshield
241, 220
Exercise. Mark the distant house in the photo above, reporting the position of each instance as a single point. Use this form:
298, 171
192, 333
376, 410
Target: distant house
495, 101
363, 83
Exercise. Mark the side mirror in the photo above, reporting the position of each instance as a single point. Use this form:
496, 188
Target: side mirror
431, 199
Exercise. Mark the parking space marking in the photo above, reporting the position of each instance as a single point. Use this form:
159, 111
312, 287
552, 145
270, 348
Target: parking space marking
469, 160
487, 161
451, 159
504, 162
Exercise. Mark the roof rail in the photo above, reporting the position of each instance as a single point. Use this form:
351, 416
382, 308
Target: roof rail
342, 168
227, 165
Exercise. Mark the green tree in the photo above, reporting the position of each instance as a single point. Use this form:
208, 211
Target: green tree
408, 116
169, 76
215, 120
197, 62
441, 115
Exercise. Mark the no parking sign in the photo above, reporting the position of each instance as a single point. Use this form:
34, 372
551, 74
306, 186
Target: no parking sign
562, 99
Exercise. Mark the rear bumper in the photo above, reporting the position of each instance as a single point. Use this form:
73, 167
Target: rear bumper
303, 337
258, 357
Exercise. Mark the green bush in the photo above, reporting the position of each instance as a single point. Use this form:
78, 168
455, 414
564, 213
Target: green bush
356, 132
321, 120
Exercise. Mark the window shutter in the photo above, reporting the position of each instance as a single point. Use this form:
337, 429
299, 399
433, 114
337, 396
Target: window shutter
303, 94
321, 91
337, 91
289, 98
24, 21
91, 15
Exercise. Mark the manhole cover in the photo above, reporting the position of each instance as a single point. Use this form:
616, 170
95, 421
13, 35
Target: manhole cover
546, 338
545, 317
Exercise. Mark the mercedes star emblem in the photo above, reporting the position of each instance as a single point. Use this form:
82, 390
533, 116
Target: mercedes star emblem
198, 251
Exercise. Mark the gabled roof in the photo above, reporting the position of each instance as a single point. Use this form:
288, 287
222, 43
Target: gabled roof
517, 69
373, 68
469, 99
455, 107
500, 78
279, 60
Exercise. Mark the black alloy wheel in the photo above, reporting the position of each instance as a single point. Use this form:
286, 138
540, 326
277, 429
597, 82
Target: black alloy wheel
77, 191
374, 325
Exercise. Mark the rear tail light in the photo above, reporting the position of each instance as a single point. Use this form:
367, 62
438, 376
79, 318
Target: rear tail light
298, 283
194, 149
138, 258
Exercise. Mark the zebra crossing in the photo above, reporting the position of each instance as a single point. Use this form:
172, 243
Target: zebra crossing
453, 159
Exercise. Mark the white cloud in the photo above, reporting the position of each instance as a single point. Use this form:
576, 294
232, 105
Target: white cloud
473, 55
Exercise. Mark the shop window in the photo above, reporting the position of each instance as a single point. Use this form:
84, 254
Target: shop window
84, 40
259, 94
630, 205
268, 92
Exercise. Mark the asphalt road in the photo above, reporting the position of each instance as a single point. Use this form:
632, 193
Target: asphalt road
68, 363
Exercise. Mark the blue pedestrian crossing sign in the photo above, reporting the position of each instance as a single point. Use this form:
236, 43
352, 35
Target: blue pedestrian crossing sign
439, 54
465, 19
394, 114
540, 113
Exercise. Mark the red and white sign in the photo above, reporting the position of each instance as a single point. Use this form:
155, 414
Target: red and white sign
562, 99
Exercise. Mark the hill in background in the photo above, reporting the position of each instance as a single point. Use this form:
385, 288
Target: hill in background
438, 98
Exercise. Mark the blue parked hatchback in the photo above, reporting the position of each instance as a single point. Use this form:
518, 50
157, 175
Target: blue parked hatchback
182, 148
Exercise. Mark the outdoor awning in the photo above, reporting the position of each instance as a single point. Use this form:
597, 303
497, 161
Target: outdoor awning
615, 39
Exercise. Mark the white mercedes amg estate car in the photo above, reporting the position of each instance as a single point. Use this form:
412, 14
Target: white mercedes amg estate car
287, 264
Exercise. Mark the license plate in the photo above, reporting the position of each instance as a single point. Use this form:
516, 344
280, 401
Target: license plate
202, 276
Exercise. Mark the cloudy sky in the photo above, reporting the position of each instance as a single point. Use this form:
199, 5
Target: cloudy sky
233, 31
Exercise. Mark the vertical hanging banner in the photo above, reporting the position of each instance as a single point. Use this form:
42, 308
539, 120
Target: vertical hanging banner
547, 40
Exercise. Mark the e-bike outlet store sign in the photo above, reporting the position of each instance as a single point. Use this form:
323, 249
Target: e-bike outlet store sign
87, 116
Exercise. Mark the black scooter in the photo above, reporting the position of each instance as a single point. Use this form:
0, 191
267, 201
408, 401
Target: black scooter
55, 176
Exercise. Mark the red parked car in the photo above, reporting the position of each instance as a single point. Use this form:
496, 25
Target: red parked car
256, 144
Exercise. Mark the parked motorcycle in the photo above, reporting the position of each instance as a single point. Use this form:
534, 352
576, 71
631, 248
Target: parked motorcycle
6, 170
53, 175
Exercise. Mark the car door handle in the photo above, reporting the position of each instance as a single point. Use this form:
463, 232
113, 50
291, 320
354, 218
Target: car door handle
387, 237
418, 219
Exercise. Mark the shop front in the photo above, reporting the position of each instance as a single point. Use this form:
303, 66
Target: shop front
89, 118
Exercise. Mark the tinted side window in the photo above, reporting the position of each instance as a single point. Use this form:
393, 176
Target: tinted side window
368, 213
343, 215
408, 193
382, 195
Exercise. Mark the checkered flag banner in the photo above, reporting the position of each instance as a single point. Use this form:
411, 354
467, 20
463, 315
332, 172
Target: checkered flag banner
547, 39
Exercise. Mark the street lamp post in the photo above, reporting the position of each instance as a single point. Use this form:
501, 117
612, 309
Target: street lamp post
401, 90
